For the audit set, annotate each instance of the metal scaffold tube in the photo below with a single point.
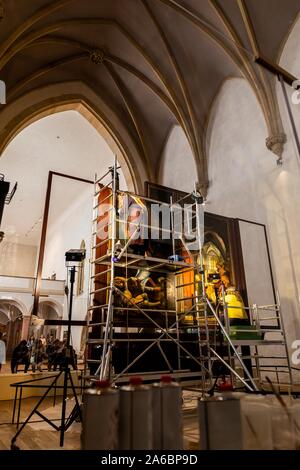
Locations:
(191, 323)
(109, 320)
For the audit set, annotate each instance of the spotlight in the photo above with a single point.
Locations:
(74, 257)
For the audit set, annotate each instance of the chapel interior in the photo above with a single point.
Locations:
(149, 224)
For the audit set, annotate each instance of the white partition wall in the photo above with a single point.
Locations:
(261, 291)
(257, 266)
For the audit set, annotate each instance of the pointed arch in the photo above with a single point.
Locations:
(78, 96)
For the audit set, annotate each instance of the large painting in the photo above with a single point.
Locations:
(222, 252)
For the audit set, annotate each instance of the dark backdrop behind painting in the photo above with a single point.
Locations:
(221, 238)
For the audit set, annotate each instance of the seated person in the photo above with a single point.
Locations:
(38, 355)
(60, 357)
(57, 356)
(20, 355)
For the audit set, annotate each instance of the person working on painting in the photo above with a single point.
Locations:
(236, 312)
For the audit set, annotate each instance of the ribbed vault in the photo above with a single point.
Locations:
(153, 63)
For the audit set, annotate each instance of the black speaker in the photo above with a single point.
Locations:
(4, 188)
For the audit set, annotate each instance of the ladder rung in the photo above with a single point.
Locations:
(269, 318)
(270, 357)
(101, 202)
(183, 270)
(275, 366)
(101, 243)
(94, 361)
(270, 330)
(102, 178)
(97, 218)
(99, 290)
(95, 307)
(185, 298)
(203, 342)
(96, 324)
(107, 224)
(102, 188)
(130, 340)
(101, 273)
(184, 285)
(101, 259)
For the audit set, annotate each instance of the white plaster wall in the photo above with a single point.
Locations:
(256, 265)
(177, 169)
(17, 259)
(69, 224)
(67, 143)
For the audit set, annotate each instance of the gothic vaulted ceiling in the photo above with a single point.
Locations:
(154, 63)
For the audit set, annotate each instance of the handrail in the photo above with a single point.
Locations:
(31, 384)
(31, 278)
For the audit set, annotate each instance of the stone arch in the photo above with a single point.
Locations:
(288, 58)
(52, 304)
(50, 310)
(76, 95)
(5, 303)
(294, 26)
(4, 317)
(12, 328)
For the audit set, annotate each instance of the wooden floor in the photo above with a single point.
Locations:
(42, 438)
(39, 436)
(6, 367)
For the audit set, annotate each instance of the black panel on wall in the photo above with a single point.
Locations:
(4, 188)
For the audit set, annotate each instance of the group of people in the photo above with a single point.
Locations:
(37, 352)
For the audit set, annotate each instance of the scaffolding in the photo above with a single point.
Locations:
(184, 332)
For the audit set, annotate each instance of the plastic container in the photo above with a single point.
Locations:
(220, 423)
(135, 418)
(283, 428)
(167, 415)
(257, 423)
(100, 417)
(295, 410)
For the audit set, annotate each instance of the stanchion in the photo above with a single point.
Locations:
(72, 257)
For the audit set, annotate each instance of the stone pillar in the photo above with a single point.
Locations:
(25, 327)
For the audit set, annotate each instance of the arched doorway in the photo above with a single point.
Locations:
(66, 140)
(56, 99)
(50, 310)
(11, 323)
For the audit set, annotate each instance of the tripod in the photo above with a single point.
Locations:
(65, 372)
